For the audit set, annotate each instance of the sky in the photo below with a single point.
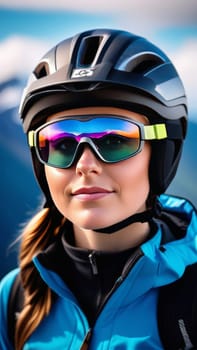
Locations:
(30, 28)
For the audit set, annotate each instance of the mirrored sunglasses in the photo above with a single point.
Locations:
(112, 138)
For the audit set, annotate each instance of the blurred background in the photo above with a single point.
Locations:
(27, 30)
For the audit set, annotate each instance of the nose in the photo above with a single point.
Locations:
(88, 163)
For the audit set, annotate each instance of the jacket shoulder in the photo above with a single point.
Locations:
(5, 289)
(176, 204)
(6, 284)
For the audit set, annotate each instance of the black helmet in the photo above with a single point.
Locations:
(111, 68)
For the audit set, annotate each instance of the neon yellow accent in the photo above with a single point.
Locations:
(155, 132)
(31, 138)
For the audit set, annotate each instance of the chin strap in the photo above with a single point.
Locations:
(145, 216)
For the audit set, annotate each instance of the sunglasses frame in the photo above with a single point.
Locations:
(147, 133)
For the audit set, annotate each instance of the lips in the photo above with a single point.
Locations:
(90, 193)
(89, 190)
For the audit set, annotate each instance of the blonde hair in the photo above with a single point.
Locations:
(39, 233)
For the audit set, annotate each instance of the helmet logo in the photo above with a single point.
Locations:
(81, 73)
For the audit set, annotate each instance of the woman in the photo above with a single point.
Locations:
(105, 114)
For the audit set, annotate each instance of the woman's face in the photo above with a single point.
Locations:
(93, 194)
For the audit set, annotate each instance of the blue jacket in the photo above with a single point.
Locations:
(128, 320)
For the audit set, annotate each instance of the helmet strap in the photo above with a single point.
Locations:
(145, 216)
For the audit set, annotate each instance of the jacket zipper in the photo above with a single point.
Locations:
(86, 340)
(93, 263)
(130, 264)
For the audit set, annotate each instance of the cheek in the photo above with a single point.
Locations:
(57, 180)
(136, 177)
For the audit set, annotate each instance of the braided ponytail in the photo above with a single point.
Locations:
(38, 234)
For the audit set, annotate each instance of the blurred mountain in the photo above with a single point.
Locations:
(20, 194)
(19, 191)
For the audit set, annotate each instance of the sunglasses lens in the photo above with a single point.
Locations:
(113, 139)
(56, 148)
(114, 148)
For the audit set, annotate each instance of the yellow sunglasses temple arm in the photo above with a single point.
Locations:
(30, 138)
(155, 132)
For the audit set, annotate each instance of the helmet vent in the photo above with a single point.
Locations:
(141, 63)
(42, 70)
(88, 50)
(147, 65)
